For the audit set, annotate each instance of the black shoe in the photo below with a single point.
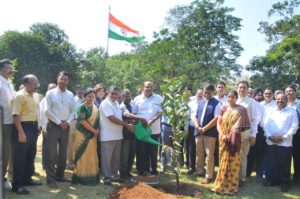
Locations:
(269, 184)
(130, 175)
(33, 183)
(190, 171)
(20, 191)
(155, 173)
(118, 180)
(107, 183)
(63, 180)
(285, 188)
(142, 173)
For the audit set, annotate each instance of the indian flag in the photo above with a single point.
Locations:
(120, 31)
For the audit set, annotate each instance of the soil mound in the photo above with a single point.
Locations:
(140, 191)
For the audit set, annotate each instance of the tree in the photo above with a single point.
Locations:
(62, 54)
(206, 32)
(43, 51)
(281, 64)
(198, 44)
(28, 50)
(175, 108)
(93, 68)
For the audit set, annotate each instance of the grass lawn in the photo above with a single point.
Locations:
(251, 190)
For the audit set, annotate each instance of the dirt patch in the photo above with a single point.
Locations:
(186, 189)
(140, 191)
(145, 179)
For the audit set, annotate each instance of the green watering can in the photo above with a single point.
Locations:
(144, 134)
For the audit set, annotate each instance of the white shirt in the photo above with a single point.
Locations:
(266, 110)
(216, 112)
(147, 108)
(7, 92)
(60, 106)
(108, 129)
(253, 113)
(42, 117)
(294, 105)
(78, 101)
(282, 122)
(193, 104)
(223, 100)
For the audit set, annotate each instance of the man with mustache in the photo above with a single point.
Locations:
(7, 92)
(279, 129)
(294, 103)
(24, 107)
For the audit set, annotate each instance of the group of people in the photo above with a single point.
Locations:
(240, 131)
(243, 132)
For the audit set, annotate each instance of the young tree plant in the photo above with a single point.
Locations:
(175, 108)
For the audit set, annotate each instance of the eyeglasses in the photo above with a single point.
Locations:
(114, 93)
(268, 93)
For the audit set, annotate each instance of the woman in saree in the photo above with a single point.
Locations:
(86, 170)
(232, 121)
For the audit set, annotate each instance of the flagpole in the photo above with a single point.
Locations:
(107, 31)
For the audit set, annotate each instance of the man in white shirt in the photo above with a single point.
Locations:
(279, 128)
(111, 134)
(294, 103)
(190, 140)
(249, 136)
(269, 103)
(206, 133)
(223, 99)
(60, 111)
(7, 92)
(43, 120)
(221, 91)
(79, 99)
(148, 106)
(256, 155)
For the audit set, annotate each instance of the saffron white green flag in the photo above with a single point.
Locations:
(120, 31)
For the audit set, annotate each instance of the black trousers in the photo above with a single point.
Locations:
(24, 154)
(190, 145)
(99, 152)
(146, 155)
(296, 156)
(278, 164)
(255, 158)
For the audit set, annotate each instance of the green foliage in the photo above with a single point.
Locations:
(197, 44)
(175, 108)
(43, 51)
(281, 64)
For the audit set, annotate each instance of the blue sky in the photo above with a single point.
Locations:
(86, 21)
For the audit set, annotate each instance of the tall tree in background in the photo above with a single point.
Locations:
(205, 30)
(281, 64)
(43, 51)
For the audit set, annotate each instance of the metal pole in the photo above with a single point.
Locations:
(107, 31)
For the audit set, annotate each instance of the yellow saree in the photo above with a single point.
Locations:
(86, 170)
(234, 121)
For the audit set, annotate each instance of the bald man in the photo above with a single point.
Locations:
(148, 106)
(24, 107)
